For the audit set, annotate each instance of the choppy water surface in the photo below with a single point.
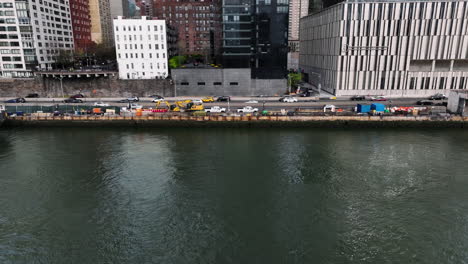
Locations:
(233, 196)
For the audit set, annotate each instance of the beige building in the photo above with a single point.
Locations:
(391, 48)
(101, 22)
(297, 10)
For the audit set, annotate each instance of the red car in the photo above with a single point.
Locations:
(77, 96)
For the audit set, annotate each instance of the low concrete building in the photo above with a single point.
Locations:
(458, 102)
(216, 81)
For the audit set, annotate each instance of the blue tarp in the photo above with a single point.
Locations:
(378, 107)
(361, 108)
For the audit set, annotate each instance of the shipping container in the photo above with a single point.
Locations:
(378, 107)
(362, 108)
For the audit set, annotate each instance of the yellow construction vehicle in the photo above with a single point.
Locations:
(165, 106)
(188, 105)
(208, 99)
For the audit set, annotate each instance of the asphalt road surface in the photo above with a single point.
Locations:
(267, 102)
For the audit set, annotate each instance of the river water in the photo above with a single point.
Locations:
(233, 196)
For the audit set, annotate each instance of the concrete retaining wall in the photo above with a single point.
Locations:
(241, 121)
(91, 87)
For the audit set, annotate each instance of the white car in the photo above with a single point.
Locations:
(135, 106)
(133, 99)
(247, 109)
(252, 102)
(289, 100)
(101, 104)
(155, 100)
(379, 98)
(197, 101)
(216, 109)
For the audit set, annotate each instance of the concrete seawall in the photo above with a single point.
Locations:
(239, 121)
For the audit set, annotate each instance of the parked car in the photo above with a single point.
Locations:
(379, 98)
(216, 109)
(252, 102)
(101, 104)
(304, 94)
(197, 101)
(438, 96)
(16, 100)
(441, 104)
(32, 95)
(133, 99)
(424, 102)
(358, 98)
(123, 101)
(135, 106)
(247, 109)
(288, 99)
(156, 96)
(77, 96)
(73, 101)
(223, 99)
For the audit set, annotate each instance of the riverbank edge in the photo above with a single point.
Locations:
(244, 121)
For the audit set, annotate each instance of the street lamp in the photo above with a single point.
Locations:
(61, 83)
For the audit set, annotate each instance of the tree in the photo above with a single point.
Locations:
(64, 59)
(177, 61)
(294, 79)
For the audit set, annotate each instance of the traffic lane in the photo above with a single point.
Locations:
(279, 105)
(234, 100)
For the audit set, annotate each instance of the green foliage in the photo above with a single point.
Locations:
(294, 79)
(177, 61)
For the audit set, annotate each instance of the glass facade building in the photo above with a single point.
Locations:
(255, 35)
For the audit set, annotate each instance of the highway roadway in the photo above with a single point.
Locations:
(271, 103)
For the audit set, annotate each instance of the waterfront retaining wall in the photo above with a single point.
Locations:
(240, 121)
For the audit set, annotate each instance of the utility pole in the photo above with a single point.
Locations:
(175, 86)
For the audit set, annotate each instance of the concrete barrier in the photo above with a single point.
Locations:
(218, 120)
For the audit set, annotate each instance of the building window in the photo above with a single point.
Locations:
(412, 83)
(233, 83)
(184, 83)
(201, 83)
(462, 83)
(217, 83)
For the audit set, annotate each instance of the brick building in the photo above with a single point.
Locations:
(81, 24)
(145, 7)
(198, 24)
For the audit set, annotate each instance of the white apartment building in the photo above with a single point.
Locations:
(393, 48)
(141, 48)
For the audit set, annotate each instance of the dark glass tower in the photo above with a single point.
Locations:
(255, 35)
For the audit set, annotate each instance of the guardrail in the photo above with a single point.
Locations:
(215, 118)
